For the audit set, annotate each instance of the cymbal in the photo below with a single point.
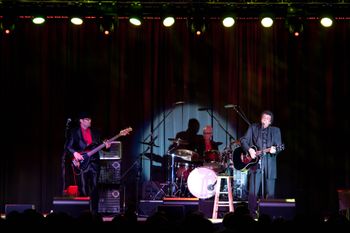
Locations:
(186, 154)
(218, 143)
(178, 141)
(154, 157)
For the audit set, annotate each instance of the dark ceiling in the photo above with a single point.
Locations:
(177, 7)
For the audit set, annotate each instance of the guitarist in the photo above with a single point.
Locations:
(259, 137)
(82, 139)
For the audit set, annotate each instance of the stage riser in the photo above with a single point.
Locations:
(20, 208)
(278, 209)
(179, 208)
(70, 206)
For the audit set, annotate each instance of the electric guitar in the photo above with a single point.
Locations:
(81, 165)
(242, 160)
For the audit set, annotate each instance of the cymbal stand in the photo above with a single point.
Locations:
(151, 143)
(222, 127)
(173, 188)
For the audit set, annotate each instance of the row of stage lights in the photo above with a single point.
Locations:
(197, 25)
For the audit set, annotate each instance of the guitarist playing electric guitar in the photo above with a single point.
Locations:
(83, 144)
(262, 175)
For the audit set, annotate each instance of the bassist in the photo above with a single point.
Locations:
(259, 137)
(82, 139)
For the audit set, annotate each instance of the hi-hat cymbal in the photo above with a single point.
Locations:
(178, 141)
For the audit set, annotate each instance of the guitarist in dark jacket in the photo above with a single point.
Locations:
(261, 142)
(83, 139)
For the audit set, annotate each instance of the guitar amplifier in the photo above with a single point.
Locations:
(110, 171)
(114, 152)
(109, 199)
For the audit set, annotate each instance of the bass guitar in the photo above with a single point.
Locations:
(242, 160)
(81, 165)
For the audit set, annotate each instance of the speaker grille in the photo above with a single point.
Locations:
(110, 171)
(109, 200)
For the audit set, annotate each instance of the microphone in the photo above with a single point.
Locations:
(231, 106)
(68, 121)
(178, 103)
(211, 186)
(203, 109)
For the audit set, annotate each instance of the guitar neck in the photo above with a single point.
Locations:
(100, 147)
(263, 151)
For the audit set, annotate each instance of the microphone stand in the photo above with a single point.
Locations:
(241, 114)
(137, 163)
(152, 139)
(222, 127)
(64, 154)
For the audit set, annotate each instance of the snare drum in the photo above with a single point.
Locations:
(201, 182)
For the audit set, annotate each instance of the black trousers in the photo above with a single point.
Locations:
(255, 189)
(88, 184)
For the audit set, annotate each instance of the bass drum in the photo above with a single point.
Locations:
(201, 182)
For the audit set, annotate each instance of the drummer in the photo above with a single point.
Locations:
(211, 152)
(193, 140)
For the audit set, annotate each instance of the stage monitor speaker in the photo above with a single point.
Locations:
(109, 199)
(110, 171)
(147, 208)
(74, 206)
(278, 208)
(18, 207)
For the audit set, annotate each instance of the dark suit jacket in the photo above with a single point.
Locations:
(76, 142)
(253, 138)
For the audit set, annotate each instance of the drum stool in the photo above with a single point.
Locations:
(218, 192)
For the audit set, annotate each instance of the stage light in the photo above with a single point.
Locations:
(326, 22)
(295, 25)
(135, 14)
(38, 20)
(168, 21)
(267, 22)
(294, 20)
(107, 24)
(76, 20)
(7, 25)
(197, 25)
(228, 21)
(135, 20)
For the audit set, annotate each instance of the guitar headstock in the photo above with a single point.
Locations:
(125, 131)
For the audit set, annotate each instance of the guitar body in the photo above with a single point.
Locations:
(242, 160)
(82, 165)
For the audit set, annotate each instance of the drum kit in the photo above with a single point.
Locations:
(192, 174)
